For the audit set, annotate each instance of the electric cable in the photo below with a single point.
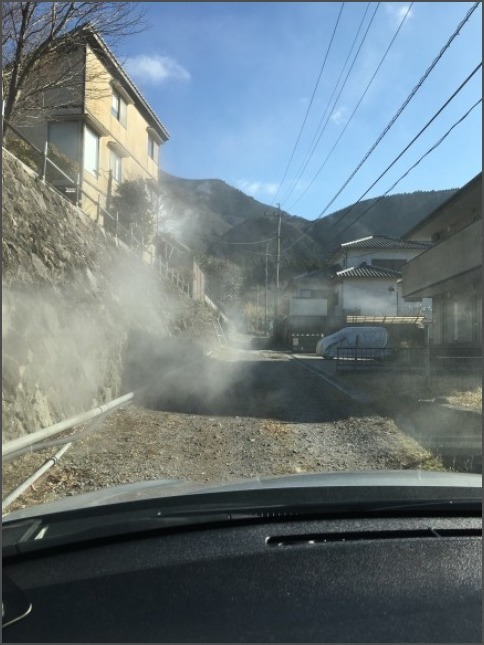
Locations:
(439, 111)
(431, 149)
(395, 117)
(310, 102)
(356, 108)
(314, 143)
(405, 103)
(244, 243)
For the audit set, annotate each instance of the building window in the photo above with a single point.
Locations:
(116, 166)
(153, 149)
(394, 264)
(119, 108)
(65, 137)
(91, 151)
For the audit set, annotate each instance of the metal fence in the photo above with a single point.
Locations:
(426, 359)
(39, 161)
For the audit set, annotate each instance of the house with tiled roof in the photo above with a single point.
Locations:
(361, 284)
(367, 277)
(381, 250)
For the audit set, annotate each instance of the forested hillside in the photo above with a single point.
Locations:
(225, 227)
(390, 215)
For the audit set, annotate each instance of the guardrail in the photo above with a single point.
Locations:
(45, 162)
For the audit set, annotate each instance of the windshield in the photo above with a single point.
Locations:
(196, 195)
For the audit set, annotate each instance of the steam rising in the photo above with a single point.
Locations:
(64, 345)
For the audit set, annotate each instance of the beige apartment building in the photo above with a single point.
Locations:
(450, 271)
(100, 123)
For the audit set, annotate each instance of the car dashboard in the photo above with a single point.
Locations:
(273, 578)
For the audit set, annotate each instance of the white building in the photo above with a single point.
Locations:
(368, 280)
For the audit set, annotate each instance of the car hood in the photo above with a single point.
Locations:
(171, 487)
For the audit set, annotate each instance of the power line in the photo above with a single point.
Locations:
(431, 149)
(314, 143)
(439, 111)
(405, 103)
(310, 102)
(357, 106)
(395, 117)
(245, 243)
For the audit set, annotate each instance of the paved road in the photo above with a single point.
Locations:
(232, 415)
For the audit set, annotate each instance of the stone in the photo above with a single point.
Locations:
(79, 303)
(39, 266)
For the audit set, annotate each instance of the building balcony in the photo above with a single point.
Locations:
(427, 274)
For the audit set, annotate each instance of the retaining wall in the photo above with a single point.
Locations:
(70, 297)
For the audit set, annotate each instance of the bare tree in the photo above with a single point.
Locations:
(35, 36)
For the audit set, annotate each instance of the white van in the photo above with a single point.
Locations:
(355, 342)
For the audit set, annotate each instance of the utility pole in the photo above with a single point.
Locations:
(265, 293)
(278, 259)
(278, 264)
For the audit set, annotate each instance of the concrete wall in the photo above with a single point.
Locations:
(463, 208)
(457, 255)
(457, 316)
(369, 296)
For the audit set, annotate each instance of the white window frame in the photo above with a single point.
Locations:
(116, 166)
(119, 108)
(90, 155)
(153, 148)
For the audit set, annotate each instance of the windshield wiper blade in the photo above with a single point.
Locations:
(54, 532)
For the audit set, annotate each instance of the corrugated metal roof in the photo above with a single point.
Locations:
(384, 242)
(368, 271)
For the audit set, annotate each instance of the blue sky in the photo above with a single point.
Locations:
(232, 82)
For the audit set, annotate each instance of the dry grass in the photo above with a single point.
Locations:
(456, 389)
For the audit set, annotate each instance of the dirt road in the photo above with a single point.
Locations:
(236, 414)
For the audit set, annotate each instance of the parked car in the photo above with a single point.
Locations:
(355, 342)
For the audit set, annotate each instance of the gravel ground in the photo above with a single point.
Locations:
(247, 413)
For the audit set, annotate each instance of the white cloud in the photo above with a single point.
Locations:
(254, 188)
(398, 12)
(339, 115)
(155, 69)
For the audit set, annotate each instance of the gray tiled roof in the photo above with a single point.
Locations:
(368, 271)
(384, 242)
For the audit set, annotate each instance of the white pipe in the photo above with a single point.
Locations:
(38, 473)
(35, 437)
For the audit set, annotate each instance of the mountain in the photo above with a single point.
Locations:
(218, 221)
(391, 215)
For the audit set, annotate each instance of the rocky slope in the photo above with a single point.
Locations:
(70, 298)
